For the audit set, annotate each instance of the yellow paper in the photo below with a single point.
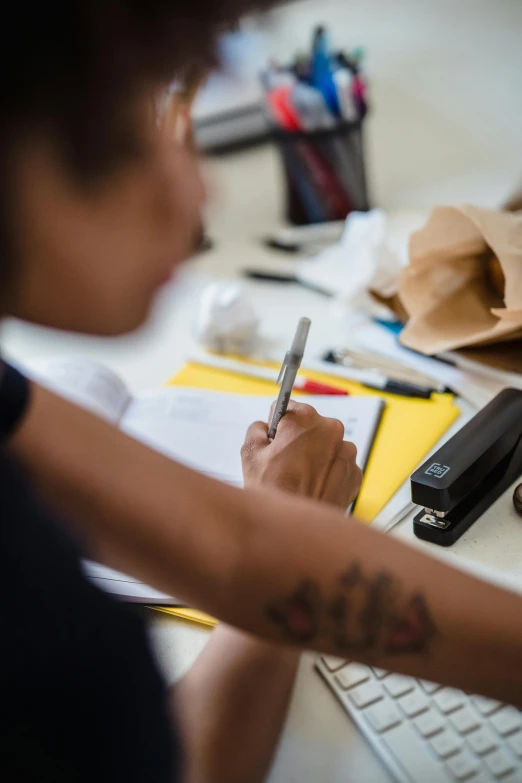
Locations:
(408, 430)
(190, 615)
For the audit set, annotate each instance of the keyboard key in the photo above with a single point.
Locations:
(465, 720)
(499, 763)
(449, 699)
(486, 706)
(397, 685)
(484, 777)
(506, 721)
(383, 716)
(482, 741)
(516, 743)
(351, 675)
(366, 694)
(513, 778)
(446, 744)
(463, 765)
(429, 723)
(414, 703)
(437, 734)
(414, 755)
(333, 663)
(430, 687)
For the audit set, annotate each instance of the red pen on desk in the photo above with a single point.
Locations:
(305, 385)
(316, 387)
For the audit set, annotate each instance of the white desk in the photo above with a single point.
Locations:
(319, 742)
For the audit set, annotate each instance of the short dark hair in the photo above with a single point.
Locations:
(76, 63)
(73, 68)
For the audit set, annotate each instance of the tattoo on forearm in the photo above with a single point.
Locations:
(299, 615)
(365, 614)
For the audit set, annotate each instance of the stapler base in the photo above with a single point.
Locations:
(444, 531)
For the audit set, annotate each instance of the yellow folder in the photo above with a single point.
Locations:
(409, 427)
(190, 615)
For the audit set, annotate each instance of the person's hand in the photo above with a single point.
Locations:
(307, 457)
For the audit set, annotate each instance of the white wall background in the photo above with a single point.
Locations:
(446, 84)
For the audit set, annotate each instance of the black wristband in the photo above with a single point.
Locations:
(14, 398)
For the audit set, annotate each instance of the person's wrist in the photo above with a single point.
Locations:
(283, 483)
(261, 652)
(276, 654)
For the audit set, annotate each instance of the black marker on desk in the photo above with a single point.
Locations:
(275, 277)
(269, 277)
(378, 382)
(288, 372)
(399, 387)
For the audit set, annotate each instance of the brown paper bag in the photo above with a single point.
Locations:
(446, 290)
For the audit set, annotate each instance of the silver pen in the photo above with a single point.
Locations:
(288, 372)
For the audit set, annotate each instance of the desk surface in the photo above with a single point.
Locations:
(319, 742)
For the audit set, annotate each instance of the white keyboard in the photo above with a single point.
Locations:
(426, 733)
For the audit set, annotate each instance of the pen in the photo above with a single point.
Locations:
(289, 368)
(322, 77)
(272, 277)
(305, 385)
(374, 381)
(343, 84)
(269, 277)
(382, 365)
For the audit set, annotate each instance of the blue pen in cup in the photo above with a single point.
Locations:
(321, 76)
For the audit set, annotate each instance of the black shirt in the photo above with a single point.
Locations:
(80, 696)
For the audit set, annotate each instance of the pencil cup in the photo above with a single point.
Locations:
(324, 173)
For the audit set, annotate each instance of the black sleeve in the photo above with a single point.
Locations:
(15, 392)
(81, 698)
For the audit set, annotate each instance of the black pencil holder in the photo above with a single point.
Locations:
(324, 172)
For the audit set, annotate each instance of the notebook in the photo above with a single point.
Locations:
(205, 429)
(200, 428)
(409, 428)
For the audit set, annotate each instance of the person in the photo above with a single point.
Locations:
(82, 699)
(98, 209)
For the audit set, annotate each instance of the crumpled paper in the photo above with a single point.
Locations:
(226, 321)
(369, 257)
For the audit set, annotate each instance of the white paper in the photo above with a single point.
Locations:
(225, 320)
(205, 430)
(370, 255)
(124, 586)
(85, 382)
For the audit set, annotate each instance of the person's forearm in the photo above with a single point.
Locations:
(284, 569)
(232, 705)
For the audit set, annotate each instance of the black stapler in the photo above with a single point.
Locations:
(469, 472)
